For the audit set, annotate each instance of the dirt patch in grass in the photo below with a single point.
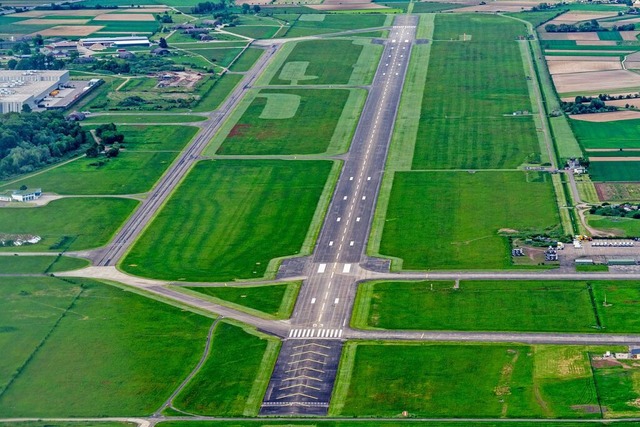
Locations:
(587, 409)
(238, 130)
(608, 117)
(604, 363)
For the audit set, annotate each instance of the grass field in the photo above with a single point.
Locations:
(81, 348)
(450, 220)
(296, 121)
(232, 380)
(228, 232)
(275, 300)
(378, 423)
(472, 89)
(623, 227)
(315, 62)
(247, 60)
(215, 94)
(617, 387)
(39, 264)
(507, 381)
(614, 171)
(68, 224)
(333, 24)
(543, 306)
(535, 18)
(618, 134)
(142, 118)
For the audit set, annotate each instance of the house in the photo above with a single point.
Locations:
(160, 51)
(26, 195)
(126, 55)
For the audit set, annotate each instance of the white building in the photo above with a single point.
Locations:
(18, 88)
(115, 41)
(21, 196)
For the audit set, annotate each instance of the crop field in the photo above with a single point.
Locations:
(275, 300)
(334, 23)
(315, 62)
(466, 119)
(544, 306)
(615, 171)
(465, 215)
(623, 227)
(618, 134)
(296, 121)
(230, 382)
(82, 348)
(69, 224)
(507, 381)
(39, 264)
(228, 213)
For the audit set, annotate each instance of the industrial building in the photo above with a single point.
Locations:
(115, 41)
(18, 88)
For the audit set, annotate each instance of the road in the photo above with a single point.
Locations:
(120, 244)
(305, 372)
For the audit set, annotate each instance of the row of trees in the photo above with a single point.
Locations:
(595, 105)
(624, 210)
(110, 141)
(31, 140)
(586, 27)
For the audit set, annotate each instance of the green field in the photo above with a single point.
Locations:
(162, 138)
(617, 387)
(256, 31)
(142, 118)
(81, 348)
(39, 264)
(618, 134)
(501, 380)
(528, 306)
(623, 227)
(295, 121)
(451, 220)
(615, 171)
(214, 94)
(275, 300)
(247, 60)
(232, 380)
(376, 423)
(472, 88)
(333, 24)
(227, 231)
(609, 35)
(221, 56)
(68, 224)
(315, 62)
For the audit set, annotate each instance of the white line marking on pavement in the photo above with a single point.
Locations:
(346, 268)
(313, 300)
(321, 268)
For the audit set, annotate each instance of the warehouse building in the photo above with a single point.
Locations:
(115, 41)
(18, 88)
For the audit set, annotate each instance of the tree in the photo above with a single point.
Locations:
(26, 108)
(38, 40)
(163, 43)
(245, 8)
(11, 64)
(23, 187)
(256, 8)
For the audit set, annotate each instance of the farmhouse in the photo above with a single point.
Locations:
(18, 88)
(115, 41)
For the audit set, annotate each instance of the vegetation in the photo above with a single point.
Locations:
(616, 134)
(621, 210)
(623, 227)
(29, 141)
(376, 423)
(39, 264)
(227, 232)
(111, 342)
(334, 23)
(230, 383)
(615, 171)
(470, 238)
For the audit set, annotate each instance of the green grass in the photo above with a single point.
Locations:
(255, 31)
(544, 306)
(615, 171)
(616, 134)
(81, 222)
(161, 138)
(591, 268)
(618, 388)
(142, 118)
(230, 382)
(623, 227)
(335, 23)
(275, 300)
(131, 27)
(228, 231)
(490, 381)
(380, 423)
(247, 60)
(535, 18)
(81, 348)
(319, 63)
(215, 93)
(450, 220)
(307, 129)
(609, 35)
(471, 90)
(39, 264)
(221, 56)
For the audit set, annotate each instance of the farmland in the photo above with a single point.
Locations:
(388, 378)
(469, 238)
(228, 234)
(334, 23)
(292, 121)
(94, 221)
(475, 128)
(615, 171)
(625, 227)
(549, 306)
(373, 423)
(617, 134)
(66, 333)
(230, 382)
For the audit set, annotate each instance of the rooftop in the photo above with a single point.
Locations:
(18, 86)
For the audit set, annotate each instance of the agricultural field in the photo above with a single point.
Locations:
(228, 233)
(543, 306)
(622, 227)
(68, 224)
(370, 423)
(466, 217)
(59, 334)
(616, 134)
(234, 377)
(39, 264)
(615, 170)
(274, 300)
(295, 121)
(309, 25)
(508, 381)
(475, 128)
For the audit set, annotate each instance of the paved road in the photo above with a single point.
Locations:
(307, 365)
(120, 244)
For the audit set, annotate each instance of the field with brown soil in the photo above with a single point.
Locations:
(624, 102)
(596, 81)
(569, 36)
(146, 10)
(45, 13)
(618, 191)
(567, 67)
(578, 58)
(70, 30)
(574, 17)
(607, 117)
(614, 159)
(344, 5)
(125, 17)
(630, 35)
(53, 22)
(596, 43)
(632, 65)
